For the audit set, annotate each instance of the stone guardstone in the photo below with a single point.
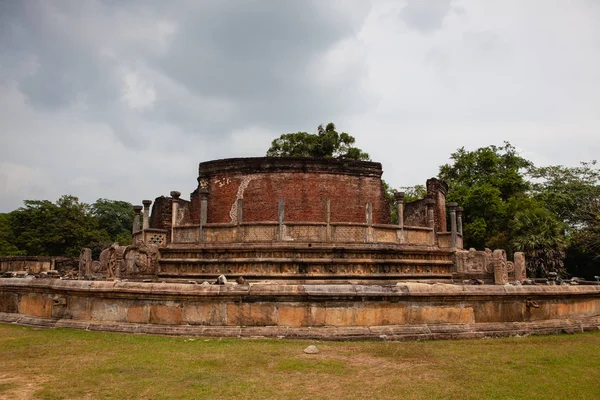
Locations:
(520, 269)
(312, 349)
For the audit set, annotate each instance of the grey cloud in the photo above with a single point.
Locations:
(238, 63)
(425, 16)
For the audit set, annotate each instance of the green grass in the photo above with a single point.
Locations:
(69, 364)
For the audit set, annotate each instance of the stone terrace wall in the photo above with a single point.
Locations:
(305, 184)
(31, 264)
(329, 311)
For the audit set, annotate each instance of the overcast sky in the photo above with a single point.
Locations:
(123, 99)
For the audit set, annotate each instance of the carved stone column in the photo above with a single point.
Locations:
(369, 235)
(136, 219)
(203, 193)
(400, 209)
(520, 267)
(452, 206)
(459, 220)
(146, 219)
(174, 212)
(430, 213)
(280, 217)
(328, 219)
(239, 217)
(500, 267)
(85, 262)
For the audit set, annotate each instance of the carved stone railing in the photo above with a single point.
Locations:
(445, 240)
(186, 234)
(316, 232)
(157, 237)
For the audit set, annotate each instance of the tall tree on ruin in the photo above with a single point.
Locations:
(326, 143)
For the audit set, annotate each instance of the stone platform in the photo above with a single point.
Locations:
(305, 263)
(401, 311)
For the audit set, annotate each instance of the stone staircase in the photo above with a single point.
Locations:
(373, 263)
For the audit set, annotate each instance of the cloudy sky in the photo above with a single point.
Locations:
(123, 99)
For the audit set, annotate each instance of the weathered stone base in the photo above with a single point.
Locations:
(391, 332)
(394, 312)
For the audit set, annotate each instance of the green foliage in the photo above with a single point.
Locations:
(389, 192)
(7, 248)
(326, 143)
(538, 233)
(484, 182)
(511, 204)
(569, 192)
(412, 193)
(43, 228)
(573, 195)
(116, 218)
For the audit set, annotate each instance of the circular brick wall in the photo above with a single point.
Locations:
(305, 184)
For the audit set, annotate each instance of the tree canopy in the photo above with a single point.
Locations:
(327, 143)
(44, 228)
(547, 212)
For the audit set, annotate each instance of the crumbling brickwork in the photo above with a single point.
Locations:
(415, 213)
(304, 184)
(162, 211)
(437, 190)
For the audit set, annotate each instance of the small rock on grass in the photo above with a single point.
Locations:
(312, 349)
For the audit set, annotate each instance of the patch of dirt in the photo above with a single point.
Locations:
(360, 359)
(23, 388)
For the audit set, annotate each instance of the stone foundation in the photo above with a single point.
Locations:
(402, 311)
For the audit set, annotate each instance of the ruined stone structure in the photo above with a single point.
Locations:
(289, 219)
(315, 254)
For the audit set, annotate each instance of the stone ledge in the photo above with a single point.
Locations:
(179, 290)
(253, 165)
(395, 332)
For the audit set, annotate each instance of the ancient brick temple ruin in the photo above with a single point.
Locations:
(300, 248)
(298, 220)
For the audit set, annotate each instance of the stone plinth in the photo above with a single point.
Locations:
(405, 310)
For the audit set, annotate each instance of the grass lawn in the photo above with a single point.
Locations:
(70, 364)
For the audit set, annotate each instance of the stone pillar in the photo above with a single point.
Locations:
(136, 219)
(430, 213)
(400, 208)
(146, 218)
(520, 267)
(369, 235)
(85, 262)
(280, 217)
(452, 206)
(239, 215)
(203, 193)
(174, 213)
(328, 220)
(459, 216)
(500, 267)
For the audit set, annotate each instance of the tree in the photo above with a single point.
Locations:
(115, 217)
(550, 213)
(412, 193)
(483, 182)
(7, 247)
(326, 143)
(43, 228)
(538, 233)
(573, 195)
